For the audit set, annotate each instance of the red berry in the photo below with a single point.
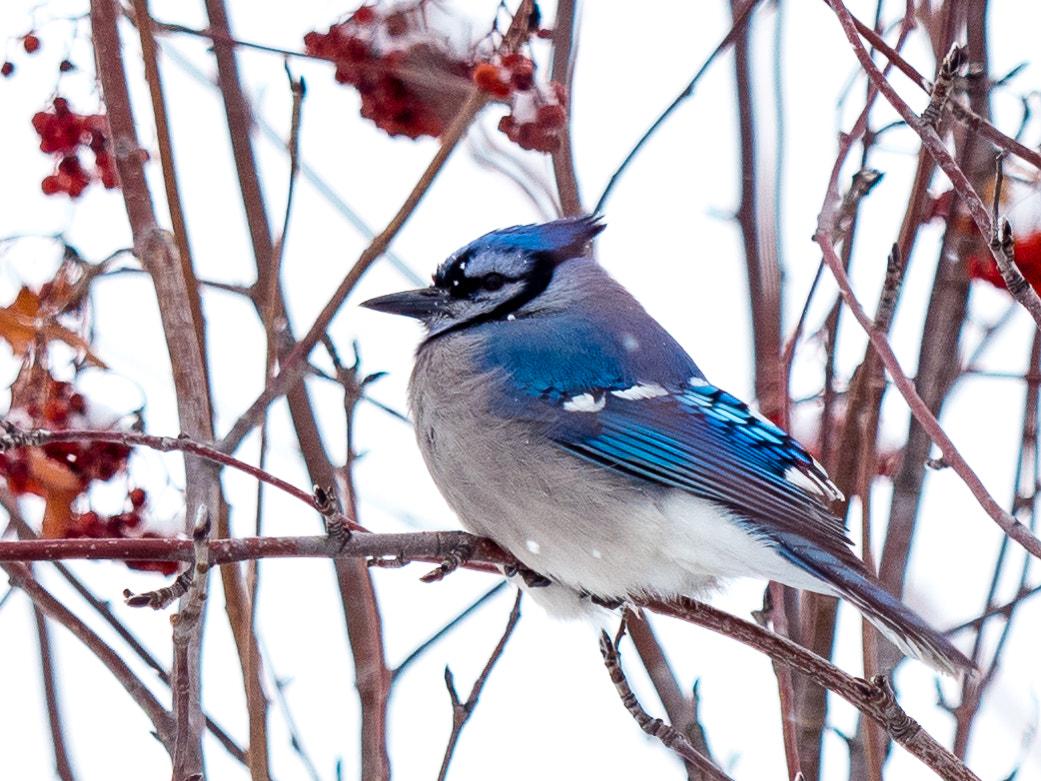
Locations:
(489, 78)
(313, 42)
(50, 185)
(523, 76)
(396, 24)
(16, 471)
(365, 15)
(124, 521)
(550, 116)
(31, 43)
(6, 69)
(56, 411)
(65, 66)
(138, 497)
(77, 403)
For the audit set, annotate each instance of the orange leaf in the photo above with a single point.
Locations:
(18, 321)
(22, 323)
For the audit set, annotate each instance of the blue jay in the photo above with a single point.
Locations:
(562, 421)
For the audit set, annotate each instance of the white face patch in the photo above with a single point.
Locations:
(585, 402)
(642, 390)
(532, 546)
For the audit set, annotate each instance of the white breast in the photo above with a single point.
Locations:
(579, 524)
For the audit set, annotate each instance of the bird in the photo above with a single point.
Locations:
(561, 420)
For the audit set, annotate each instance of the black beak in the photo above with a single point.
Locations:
(421, 304)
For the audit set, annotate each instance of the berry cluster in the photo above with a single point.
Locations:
(536, 116)
(57, 406)
(125, 524)
(31, 44)
(403, 69)
(412, 82)
(514, 73)
(62, 132)
(536, 119)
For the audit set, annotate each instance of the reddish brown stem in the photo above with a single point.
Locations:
(162, 444)
(294, 363)
(874, 699)
(936, 148)
(159, 256)
(563, 159)
(22, 578)
(920, 410)
(50, 688)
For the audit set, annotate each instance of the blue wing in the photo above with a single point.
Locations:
(587, 380)
(704, 440)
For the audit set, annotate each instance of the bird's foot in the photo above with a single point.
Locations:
(453, 560)
(337, 529)
(531, 578)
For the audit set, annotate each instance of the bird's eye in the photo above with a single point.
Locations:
(493, 281)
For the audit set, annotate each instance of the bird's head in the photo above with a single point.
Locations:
(493, 277)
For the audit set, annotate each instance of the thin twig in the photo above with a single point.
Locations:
(936, 148)
(294, 363)
(1004, 250)
(1025, 503)
(50, 688)
(295, 738)
(159, 256)
(670, 737)
(186, 667)
(561, 72)
(759, 241)
(461, 711)
(1024, 593)
(774, 614)
(153, 75)
(740, 20)
(963, 114)
(874, 699)
(681, 710)
(443, 631)
(9, 504)
(919, 409)
(372, 676)
(23, 579)
(11, 438)
(1016, 530)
